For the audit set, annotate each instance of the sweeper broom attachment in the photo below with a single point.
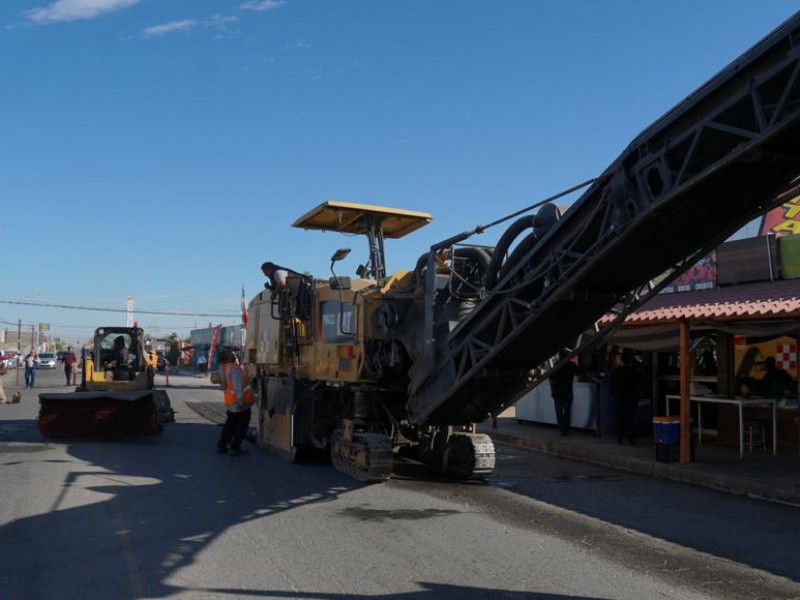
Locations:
(115, 399)
(98, 414)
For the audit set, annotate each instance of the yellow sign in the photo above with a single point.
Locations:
(750, 357)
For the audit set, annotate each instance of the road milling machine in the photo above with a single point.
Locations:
(366, 366)
(116, 398)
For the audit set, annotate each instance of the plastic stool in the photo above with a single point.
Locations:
(755, 435)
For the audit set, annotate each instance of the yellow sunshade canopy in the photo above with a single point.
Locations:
(348, 217)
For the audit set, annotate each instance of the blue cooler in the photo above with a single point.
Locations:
(666, 430)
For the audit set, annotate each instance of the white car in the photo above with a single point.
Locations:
(46, 360)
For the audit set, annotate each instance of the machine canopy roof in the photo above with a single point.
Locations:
(348, 217)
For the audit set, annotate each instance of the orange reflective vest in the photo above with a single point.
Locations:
(230, 392)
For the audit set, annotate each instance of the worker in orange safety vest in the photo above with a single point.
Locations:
(238, 400)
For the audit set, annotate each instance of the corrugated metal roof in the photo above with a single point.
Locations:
(777, 299)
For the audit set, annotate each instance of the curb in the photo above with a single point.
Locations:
(673, 472)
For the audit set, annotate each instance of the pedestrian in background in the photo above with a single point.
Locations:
(561, 390)
(69, 361)
(238, 400)
(2, 391)
(30, 366)
(626, 387)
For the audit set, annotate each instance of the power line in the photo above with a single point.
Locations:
(119, 310)
(83, 328)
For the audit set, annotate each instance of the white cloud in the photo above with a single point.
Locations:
(76, 10)
(224, 25)
(172, 26)
(262, 5)
(220, 20)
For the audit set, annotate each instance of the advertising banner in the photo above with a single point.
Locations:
(750, 360)
(782, 220)
(701, 276)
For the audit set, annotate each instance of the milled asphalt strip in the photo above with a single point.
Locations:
(215, 412)
(683, 567)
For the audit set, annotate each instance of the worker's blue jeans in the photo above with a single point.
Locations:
(30, 376)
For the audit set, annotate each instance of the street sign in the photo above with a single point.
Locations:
(44, 326)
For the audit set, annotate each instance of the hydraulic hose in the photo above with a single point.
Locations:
(501, 249)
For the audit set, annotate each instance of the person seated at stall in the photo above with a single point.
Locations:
(776, 381)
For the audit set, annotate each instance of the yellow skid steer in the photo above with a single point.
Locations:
(117, 395)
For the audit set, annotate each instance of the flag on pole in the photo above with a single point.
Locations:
(213, 349)
(244, 309)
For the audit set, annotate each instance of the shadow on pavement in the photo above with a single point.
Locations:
(429, 590)
(133, 513)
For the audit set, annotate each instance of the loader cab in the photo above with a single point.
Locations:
(108, 343)
(135, 372)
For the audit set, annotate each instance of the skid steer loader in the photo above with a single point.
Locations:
(116, 397)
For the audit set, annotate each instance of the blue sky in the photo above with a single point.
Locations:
(162, 149)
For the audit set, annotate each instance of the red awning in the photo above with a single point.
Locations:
(773, 300)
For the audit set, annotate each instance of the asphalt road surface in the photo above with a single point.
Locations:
(167, 517)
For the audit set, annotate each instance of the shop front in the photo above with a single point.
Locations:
(742, 361)
(734, 334)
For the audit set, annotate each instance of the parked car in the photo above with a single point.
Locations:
(46, 360)
(9, 359)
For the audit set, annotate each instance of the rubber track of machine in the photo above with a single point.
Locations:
(379, 456)
(469, 456)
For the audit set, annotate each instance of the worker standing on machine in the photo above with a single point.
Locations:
(278, 278)
(238, 400)
(283, 278)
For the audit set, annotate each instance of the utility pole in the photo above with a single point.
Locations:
(129, 311)
(19, 347)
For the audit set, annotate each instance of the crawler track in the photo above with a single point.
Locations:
(469, 456)
(367, 458)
